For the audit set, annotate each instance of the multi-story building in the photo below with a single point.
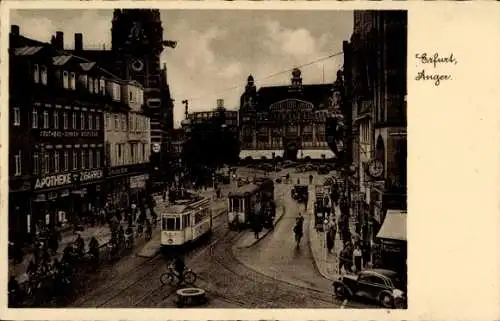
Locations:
(137, 43)
(127, 139)
(56, 134)
(379, 47)
(285, 121)
(219, 115)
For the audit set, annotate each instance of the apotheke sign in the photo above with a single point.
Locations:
(53, 181)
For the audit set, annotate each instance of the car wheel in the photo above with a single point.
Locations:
(340, 291)
(386, 301)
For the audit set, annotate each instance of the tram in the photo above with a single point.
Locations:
(186, 221)
(253, 201)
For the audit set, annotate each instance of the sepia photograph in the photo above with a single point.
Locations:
(229, 159)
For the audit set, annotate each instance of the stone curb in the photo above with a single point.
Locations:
(265, 234)
(315, 263)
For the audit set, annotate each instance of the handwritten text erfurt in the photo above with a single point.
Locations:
(434, 61)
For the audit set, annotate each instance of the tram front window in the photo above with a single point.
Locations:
(235, 203)
(171, 224)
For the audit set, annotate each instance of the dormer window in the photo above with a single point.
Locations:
(91, 84)
(43, 75)
(72, 81)
(130, 96)
(65, 80)
(96, 86)
(102, 87)
(36, 73)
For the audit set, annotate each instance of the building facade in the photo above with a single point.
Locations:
(219, 115)
(127, 141)
(137, 43)
(56, 135)
(379, 47)
(285, 121)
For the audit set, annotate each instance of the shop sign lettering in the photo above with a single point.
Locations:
(53, 181)
(59, 133)
(90, 175)
(118, 171)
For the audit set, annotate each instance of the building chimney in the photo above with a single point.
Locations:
(14, 30)
(78, 42)
(60, 40)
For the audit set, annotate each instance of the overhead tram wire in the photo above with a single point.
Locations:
(269, 76)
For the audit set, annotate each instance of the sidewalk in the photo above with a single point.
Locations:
(326, 263)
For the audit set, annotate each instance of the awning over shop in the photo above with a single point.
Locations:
(394, 226)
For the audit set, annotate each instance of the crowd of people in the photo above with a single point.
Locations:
(49, 275)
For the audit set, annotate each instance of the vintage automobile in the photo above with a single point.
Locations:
(384, 286)
(300, 193)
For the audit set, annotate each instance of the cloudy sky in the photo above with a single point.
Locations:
(216, 49)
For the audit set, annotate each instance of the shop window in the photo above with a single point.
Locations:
(34, 116)
(17, 163)
(36, 74)
(43, 75)
(36, 163)
(65, 120)
(17, 116)
(56, 119)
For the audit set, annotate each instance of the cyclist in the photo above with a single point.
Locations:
(178, 268)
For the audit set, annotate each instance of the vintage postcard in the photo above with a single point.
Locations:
(203, 156)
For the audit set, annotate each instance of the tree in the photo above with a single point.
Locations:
(208, 148)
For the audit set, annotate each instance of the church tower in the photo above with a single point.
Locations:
(137, 43)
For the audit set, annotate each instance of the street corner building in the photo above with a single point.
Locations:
(375, 80)
(75, 131)
(286, 122)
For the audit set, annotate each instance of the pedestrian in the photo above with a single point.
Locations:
(365, 249)
(54, 242)
(257, 228)
(357, 258)
(329, 240)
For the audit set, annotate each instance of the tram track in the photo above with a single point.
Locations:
(137, 291)
(223, 260)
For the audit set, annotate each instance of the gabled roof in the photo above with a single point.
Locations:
(86, 66)
(27, 50)
(104, 58)
(60, 60)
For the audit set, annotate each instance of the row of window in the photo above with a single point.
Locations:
(128, 153)
(135, 123)
(57, 161)
(94, 85)
(57, 119)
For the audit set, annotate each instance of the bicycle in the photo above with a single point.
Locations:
(169, 277)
